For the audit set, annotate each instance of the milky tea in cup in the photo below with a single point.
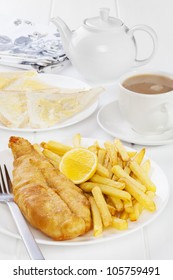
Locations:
(146, 101)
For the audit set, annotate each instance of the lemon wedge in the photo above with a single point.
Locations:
(78, 164)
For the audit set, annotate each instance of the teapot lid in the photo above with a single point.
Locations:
(104, 21)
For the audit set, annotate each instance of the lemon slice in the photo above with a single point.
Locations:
(78, 164)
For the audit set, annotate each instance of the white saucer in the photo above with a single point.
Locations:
(111, 120)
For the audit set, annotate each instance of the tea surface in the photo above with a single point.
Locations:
(149, 84)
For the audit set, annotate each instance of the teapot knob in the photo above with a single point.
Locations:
(104, 13)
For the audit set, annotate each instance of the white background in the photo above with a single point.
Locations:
(156, 13)
(158, 239)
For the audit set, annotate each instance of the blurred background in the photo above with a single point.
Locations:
(156, 13)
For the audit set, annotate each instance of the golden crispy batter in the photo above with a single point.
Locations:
(48, 200)
(76, 201)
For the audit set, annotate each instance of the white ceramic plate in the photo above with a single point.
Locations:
(111, 120)
(7, 225)
(65, 82)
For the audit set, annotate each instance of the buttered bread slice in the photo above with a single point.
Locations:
(8, 79)
(51, 107)
(13, 109)
(26, 101)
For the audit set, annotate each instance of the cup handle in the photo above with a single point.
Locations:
(152, 34)
(167, 108)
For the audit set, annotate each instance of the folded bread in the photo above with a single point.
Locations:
(8, 79)
(13, 103)
(27, 82)
(13, 109)
(53, 106)
(43, 108)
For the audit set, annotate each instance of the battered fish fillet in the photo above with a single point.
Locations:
(48, 200)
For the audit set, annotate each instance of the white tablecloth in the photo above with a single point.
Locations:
(154, 241)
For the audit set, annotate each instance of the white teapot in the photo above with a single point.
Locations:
(103, 48)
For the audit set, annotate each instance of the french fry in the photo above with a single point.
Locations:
(114, 177)
(139, 195)
(127, 170)
(52, 156)
(106, 160)
(77, 140)
(102, 206)
(108, 200)
(102, 171)
(121, 150)
(137, 209)
(142, 176)
(139, 156)
(88, 186)
(120, 173)
(93, 149)
(117, 202)
(151, 194)
(96, 143)
(119, 224)
(109, 168)
(120, 162)
(112, 209)
(124, 215)
(131, 154)
(112, 152)
(97, 222)
(128, 207)
(101, 156)
(56, 147)
(106, 181)
(146, 166)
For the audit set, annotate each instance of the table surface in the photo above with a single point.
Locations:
(154, 241)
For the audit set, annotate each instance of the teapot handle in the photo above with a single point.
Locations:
(151, 32)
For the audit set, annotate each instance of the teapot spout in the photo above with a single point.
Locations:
(64, 31)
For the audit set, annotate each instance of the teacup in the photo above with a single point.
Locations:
(146, 101)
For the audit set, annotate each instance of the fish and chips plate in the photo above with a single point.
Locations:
(117, 190)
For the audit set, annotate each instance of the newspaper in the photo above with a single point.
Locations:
(28, 45)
